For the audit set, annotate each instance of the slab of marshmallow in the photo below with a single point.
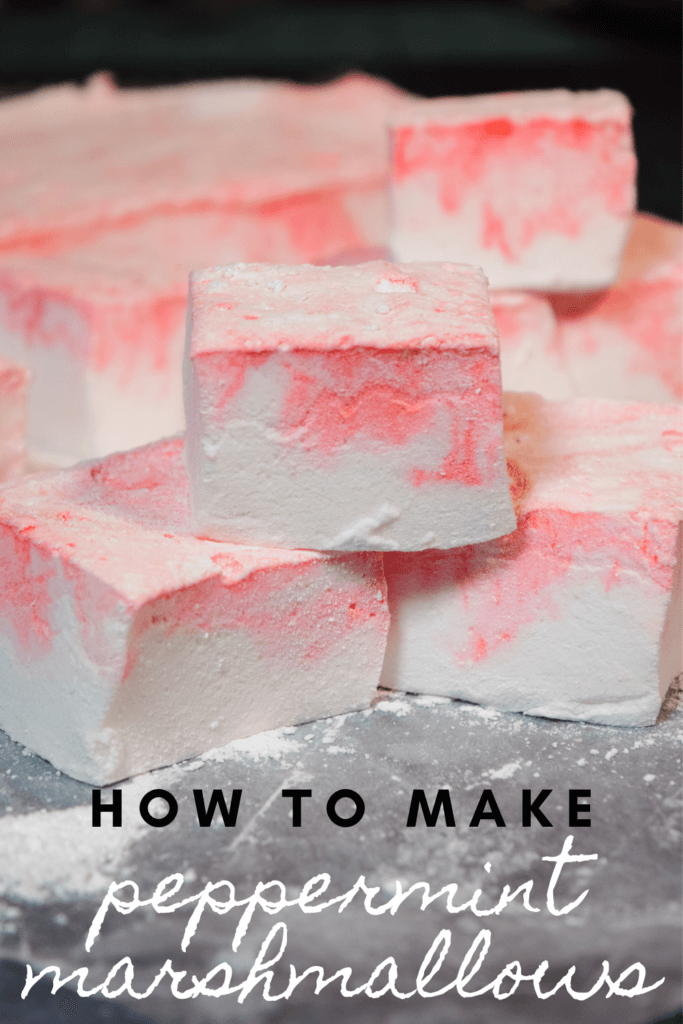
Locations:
(77, 160)
(345, 408)
(535, 187)
(126, 643)
(576, 615)
(13, 396)
(530, 355)
(625, 343)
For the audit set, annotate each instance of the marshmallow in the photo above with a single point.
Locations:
(13, 391)
(530, 354)
(126, 643)
(576, 615)
(312, 160)
(625, 343)
(535, 187)
(345, 408)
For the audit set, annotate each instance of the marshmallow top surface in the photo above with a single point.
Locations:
(126, 521)
(76, 156)
(264, 307)
(519, 107)
(592, 456)
(149, 257)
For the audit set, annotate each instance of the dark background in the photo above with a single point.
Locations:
(430, 47)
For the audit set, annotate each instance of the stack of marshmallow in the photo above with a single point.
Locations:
(356, 498)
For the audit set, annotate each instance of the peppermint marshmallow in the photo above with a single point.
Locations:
(126, 643)
(576, 615)
(345, 408)
(13, 388)
(535, 187)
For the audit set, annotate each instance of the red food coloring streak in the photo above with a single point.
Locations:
(500, 127)
(45, 317)
(573, 160)
(337, 398)
(493, 233)
(672, 439)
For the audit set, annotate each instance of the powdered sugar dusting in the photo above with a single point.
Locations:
(506, 772)
(274, 744)
(396, 707)
(58, 855)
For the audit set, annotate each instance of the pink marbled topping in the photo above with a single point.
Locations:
(377, 305)
(116, 533)
(76, 161)
(372, 397)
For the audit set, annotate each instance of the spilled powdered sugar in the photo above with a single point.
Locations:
(276, 744)
(58, 855)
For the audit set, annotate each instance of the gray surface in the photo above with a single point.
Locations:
(632, 912)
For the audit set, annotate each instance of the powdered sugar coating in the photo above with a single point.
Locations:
(376, 305)
(124, 637)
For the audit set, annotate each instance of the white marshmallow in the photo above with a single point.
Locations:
(353, 407)
(127, 644)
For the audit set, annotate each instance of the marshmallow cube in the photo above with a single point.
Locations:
(535, 187)
(126, 643)
(625, 343)
(345, 408)
(13, 397)
(530, 354)
(576, 615)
